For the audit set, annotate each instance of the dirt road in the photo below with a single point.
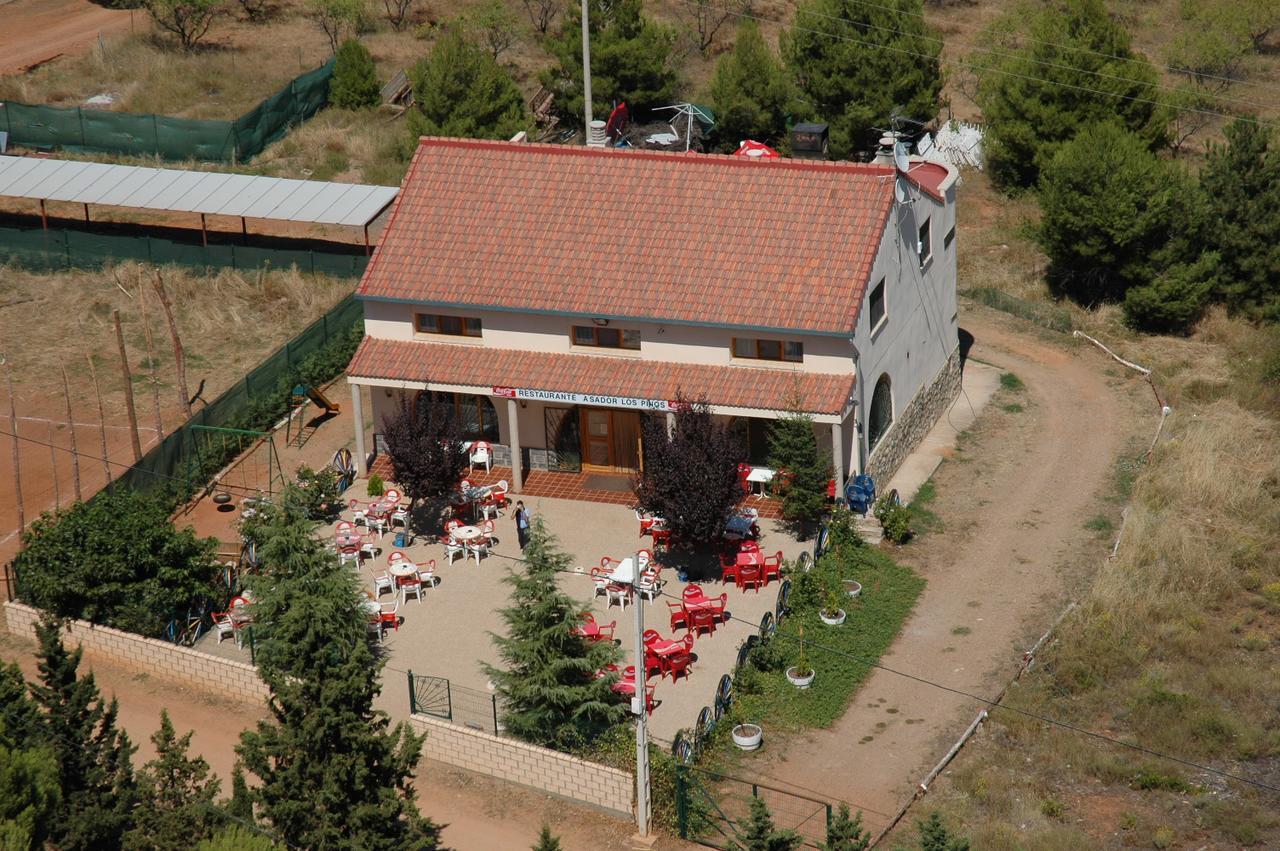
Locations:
(1013, 504)
(36, 31)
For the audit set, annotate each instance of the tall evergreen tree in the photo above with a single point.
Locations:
(1115, 215)
(845, 833)
(240, 805)
(802, 471)
(934, 836)
(751, 93)
(29, 793)
(1074, 68)
(858, 64)
(21, 719)
(355, 79)
(332, 771)
(632, 61)
(547, 841)
(176, 794)
(461, 90)
(1241, 181)
(761, 835)
(95, 773)
(550, 693)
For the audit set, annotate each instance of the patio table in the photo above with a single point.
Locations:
(467, 534)
(402, 569)
(371, 607)
(738, 526)
(624, 573)
(759, 478)
(697, 603)
(750, 558)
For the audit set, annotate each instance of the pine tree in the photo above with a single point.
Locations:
(549, 688)
(176, 796)
(240, 806)
(845, 833)
(547, 841)
(1241, 181)
(332, 771)
(632, 61)
(802, 471)
(1074, 69)
(21, 721)
(237, 838)
(935, 837)
(858, 64)
(1115, 215)
(29, 793)
(461, 90)
(751, 93)
(94, 769)
(761, 835)
(355, 79)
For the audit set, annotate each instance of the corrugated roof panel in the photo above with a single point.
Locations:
(216, 193)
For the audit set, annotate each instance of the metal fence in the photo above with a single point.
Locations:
(439, 698)
(714, 809)
(1053, 318)
(146, 134)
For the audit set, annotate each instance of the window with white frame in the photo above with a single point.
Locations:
(876, 306)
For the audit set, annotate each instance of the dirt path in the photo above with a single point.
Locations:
(481, 814)
(36, 31)
(1013, 518)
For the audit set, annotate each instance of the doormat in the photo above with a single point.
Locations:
(604, 482)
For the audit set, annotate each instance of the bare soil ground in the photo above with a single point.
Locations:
(481, 814)
(37, 31)
(1013, 502)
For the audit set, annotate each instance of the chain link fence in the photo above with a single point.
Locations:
(147, 134)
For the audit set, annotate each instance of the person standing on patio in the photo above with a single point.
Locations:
(522, 523)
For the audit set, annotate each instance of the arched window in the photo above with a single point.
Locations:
(881, 415)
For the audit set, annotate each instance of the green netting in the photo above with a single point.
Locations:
(56, 249)
(183, 463)
(137, 134)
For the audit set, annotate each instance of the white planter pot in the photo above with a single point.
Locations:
(800, 682)
(852, 587)
(747, 736)
(836, 621)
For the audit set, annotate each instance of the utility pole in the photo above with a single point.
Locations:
(639, 704)
(586, 71)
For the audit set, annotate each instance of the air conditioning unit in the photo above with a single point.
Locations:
(809, 141)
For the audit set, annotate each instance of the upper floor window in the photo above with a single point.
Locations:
(605, 338)
(925, 245)
(949, 238)
(454, 326)
(877, 306)
(768, 349)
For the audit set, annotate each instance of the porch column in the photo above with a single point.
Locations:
(671, 423)
(837, 456)
(513, 426)
(357, 413)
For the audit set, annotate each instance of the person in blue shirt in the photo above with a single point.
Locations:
(522, 523)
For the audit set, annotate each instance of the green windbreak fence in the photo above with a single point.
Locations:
(137, 134)
(57, 248)
(179, 465)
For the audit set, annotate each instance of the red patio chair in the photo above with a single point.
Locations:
(605, 631)
(650, 636)
(773, 567)
(744, 470)
(679, 619)
(750, 574)
(678, 665)
(728, 567)
(646, 522)
(692, 592)
(702, 620)
(661, 537)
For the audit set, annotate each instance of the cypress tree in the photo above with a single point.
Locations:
(21, 721)
(95, 773)
(803, 472)
(241, 804)
(29, 793)
(547, 841)
(333, 772)
(176, 795)
(549, 688)
(751, 93)
(355, 79)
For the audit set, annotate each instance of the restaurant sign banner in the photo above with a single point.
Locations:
(586, 399)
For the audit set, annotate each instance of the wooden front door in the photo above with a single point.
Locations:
(610, 440)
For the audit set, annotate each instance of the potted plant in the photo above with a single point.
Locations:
(831, 613)
(852, 587)
(747, 737)
(801, 674)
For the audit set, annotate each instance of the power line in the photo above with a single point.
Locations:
(796, 28)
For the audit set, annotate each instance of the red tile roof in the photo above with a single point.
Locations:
(767, 243)
(475, 366)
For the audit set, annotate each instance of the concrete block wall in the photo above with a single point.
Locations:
(180, 665)
(912, 424)
(528, 765)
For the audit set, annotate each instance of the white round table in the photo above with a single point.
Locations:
(466, 534)
(403, 568)
(372, 607)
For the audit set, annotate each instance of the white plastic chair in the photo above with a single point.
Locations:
(410, 586)
(346, 554)
(617, 594)
(357, 512)
(454, 548)
(226, 628)
(480, 454)
(478, 548)
(385, 582)
(427, 574)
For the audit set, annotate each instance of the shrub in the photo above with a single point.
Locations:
(117, 560)
(793, 448)
(460, 90)
(187, 20)
(895, 519)
(375, 486)
(1272, 592)
(318, 491)
(355, 80)
(1175, 301)
(751, 92)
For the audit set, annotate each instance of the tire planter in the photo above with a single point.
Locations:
(747, 736)
(851, 587)
(800, 682)
(836, 621)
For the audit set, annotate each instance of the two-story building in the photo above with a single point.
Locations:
(555, 295)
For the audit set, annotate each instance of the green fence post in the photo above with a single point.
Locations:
(755, 791)
(80, 117)
(494, 700)
(149, 258)
(828, 818)
(66, 246)
(413, 704)
(682, 803)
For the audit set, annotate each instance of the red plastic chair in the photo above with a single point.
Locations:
(650, 636)
(773, 567)
(728, 568)
(661, 537)
(679, 618)
(678, 666)
(750, 574)
(701, 620)
(744, 470)
(693, 592)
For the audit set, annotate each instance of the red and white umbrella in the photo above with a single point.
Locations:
(751, 148)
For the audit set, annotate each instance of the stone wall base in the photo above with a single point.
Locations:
(913, 423)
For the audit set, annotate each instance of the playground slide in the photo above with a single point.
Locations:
(322, 401)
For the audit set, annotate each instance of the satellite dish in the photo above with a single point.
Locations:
(900, 190)
(900, 157)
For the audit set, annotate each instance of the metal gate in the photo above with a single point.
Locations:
(713, 809)
(439, 698)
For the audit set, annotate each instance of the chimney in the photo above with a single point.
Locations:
(884, 153)
(809, 141)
